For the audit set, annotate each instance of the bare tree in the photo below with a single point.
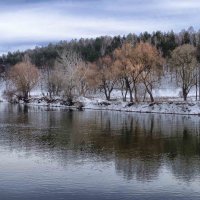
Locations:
(185, 63)
(106, 74)
(69, 63)
(82, 71)
(55, 81)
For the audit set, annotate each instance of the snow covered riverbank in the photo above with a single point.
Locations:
(170, 107)
(167, 103)
(184, 108)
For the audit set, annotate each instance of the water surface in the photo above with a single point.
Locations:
(97, 155)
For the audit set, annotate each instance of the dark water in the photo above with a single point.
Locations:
(97, 155)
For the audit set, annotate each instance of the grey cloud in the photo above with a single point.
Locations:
(25, 22)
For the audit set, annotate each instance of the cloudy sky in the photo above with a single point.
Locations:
(26, 23)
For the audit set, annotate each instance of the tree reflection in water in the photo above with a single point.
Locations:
(139, 144)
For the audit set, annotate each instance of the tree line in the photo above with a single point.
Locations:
(134, 64)
(92, 49)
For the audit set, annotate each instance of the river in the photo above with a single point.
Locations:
(61, 154)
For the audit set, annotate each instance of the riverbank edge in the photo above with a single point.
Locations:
(168, 107)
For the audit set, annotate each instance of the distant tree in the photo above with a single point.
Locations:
(132, 39)
(184, 62)
(145, 37)
(117, 42)
(186, 38)
(168, 44)
(44, 56)
(14, 58)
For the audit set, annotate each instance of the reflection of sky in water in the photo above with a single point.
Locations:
(97, 154)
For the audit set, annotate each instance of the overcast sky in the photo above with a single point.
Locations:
(26, 23)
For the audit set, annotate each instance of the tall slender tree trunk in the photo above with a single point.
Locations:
(107, 94)
(149, 91)
(131, 95)
(135, 93)
(184, 94)
(124, 94)
(196, 84)
(199, 82)
(130, 91)
(25, 96)
(151, 97)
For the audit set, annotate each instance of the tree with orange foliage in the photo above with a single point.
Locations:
(123, 65)
(103, 75)
(108, 75)
(149, 63)
(137, 65)
(22, 78)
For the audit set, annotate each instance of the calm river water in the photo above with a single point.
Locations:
(96, 155)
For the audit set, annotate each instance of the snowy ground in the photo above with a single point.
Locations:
(171, 107)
